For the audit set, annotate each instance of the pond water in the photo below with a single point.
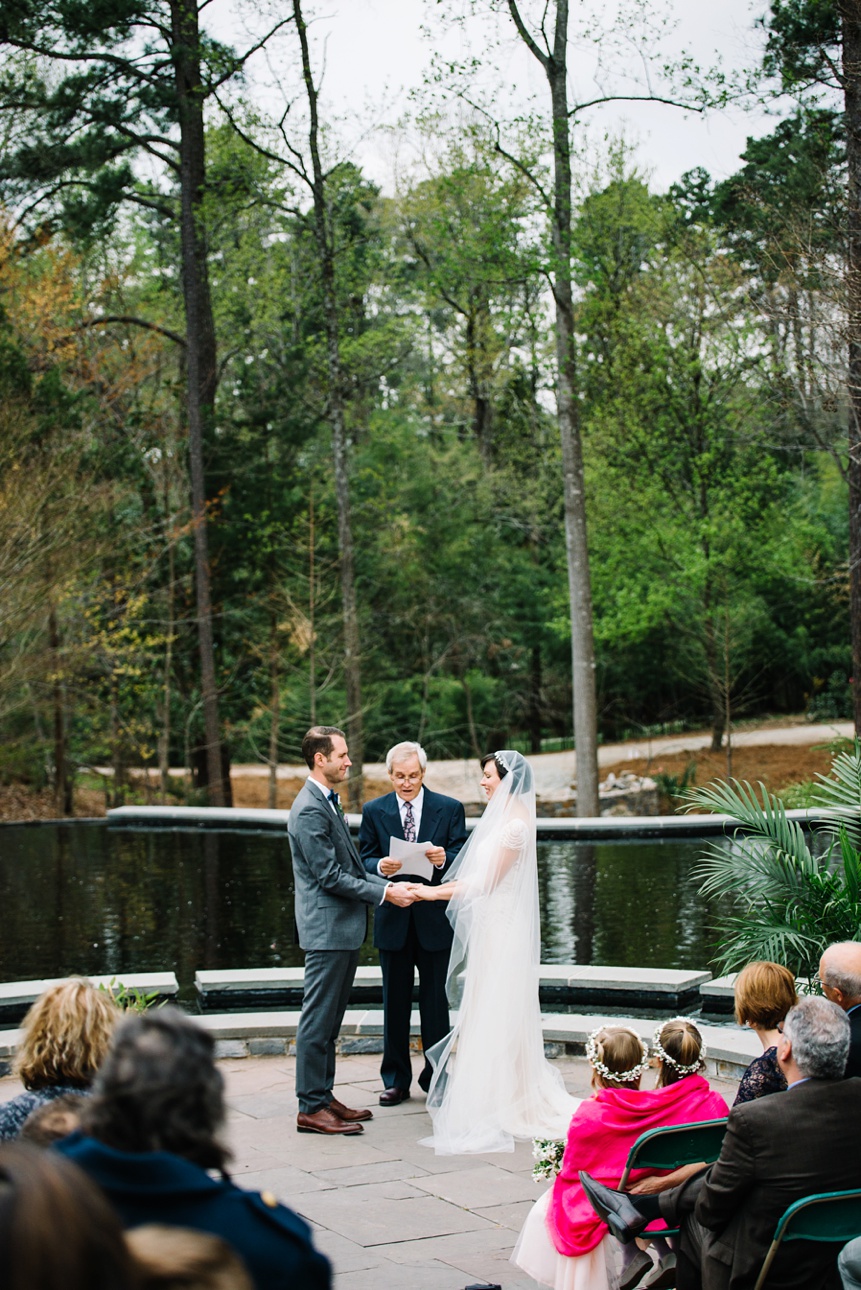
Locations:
(87, 898)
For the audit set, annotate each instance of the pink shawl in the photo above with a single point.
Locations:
(602, 1131)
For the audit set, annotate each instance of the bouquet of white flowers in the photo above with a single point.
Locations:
(547, 1154)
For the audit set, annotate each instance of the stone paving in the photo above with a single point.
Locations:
(387, 1211)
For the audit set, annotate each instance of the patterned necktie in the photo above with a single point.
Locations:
(409, 823)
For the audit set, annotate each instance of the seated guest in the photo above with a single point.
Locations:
(776, 1151)
(65, 1037)
(176, 1258)
(57, 1231)
(840, 974)
(764, 994)
(151, 1131)
(561, 1230)
(53, 1120)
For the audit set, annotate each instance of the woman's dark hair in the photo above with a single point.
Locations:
(159, 1090)
(57, 1230)
(319, 740)
(501, 770)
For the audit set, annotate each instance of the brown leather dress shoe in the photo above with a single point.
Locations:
(325, 1121)
(393, 1096)
(347, 1113)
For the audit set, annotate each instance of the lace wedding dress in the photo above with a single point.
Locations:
(491, 1082)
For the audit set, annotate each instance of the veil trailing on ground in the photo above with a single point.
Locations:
(491, 1083)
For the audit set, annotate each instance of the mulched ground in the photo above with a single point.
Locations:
(777, 766)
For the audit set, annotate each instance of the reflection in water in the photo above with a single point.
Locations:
(86, 898)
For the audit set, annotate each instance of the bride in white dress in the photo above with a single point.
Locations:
(491, 1082)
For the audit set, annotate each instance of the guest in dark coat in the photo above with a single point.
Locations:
(776, 1151)
(149, 1134)
(418, 936)
(840, 974)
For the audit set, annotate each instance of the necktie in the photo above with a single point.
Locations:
(409, 823)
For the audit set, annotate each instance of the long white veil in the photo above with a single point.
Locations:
(491, 1082)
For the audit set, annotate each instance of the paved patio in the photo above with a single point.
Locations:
(387, 1211)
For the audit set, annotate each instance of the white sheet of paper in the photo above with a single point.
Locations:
(412, 857)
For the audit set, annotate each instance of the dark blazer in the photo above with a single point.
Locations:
(853, 1061)
(777, 1150)
(157, 1187)
(332, 891)
(443, 823)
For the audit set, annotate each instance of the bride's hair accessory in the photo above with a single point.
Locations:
(658, 1049)
(595, 1053)
(500, 757)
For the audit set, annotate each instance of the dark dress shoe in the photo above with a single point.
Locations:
(347, 1113)
(425, 1078)
(325, 1121)
(393, 1096)
(616, 1208)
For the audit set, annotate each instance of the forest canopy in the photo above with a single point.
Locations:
(394, 353)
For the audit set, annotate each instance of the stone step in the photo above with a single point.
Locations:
(729, 1049)
(569, 983)
(17, 996)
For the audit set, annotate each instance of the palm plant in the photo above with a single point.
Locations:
(784, 899)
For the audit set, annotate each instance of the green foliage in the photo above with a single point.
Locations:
(783, 898)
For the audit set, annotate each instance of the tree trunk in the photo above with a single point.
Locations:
(200, 352)
(576, 545)
(851, 32)
(312, 608)
(164, 737)
(62, 778)
(352, 653)
(534, 719)
(274, 712)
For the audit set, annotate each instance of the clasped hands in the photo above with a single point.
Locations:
(404, 893)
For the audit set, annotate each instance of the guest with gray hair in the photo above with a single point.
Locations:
(840, 975)
(419, 936)
(776, 1151)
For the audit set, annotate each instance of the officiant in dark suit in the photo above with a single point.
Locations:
(418, 936)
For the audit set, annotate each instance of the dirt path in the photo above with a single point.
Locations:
(777, 754)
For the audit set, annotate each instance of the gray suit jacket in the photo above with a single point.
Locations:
(776, 1150)
(331, 886)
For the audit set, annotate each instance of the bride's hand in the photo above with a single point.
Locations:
(421, 891)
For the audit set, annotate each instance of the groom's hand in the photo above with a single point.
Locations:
(400, 893)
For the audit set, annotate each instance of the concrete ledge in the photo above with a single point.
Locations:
(17, 996)
(570, 983)
(729, 1048)
(718, 996)
(603, 828)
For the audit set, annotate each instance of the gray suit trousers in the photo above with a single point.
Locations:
(328, 979)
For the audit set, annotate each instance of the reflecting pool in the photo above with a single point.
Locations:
(92, 899)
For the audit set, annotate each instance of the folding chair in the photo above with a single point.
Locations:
(826, 1216)
(668, 1148)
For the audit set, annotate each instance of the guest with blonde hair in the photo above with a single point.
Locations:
(764, 994)
(178, 1258)
(64, 1040)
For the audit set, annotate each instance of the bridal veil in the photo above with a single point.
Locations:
(491, 1082)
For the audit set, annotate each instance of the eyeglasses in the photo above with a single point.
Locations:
(406, 779)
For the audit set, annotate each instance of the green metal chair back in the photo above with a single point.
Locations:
(826, 1216)
(675, 1145)
(670, 1147)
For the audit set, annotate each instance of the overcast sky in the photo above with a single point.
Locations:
(377, 51)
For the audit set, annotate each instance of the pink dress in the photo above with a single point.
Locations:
(564, 1243)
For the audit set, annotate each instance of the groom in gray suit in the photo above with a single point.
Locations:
(332, 892)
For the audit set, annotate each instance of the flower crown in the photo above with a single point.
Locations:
(659, 1051)
(616, 1077)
